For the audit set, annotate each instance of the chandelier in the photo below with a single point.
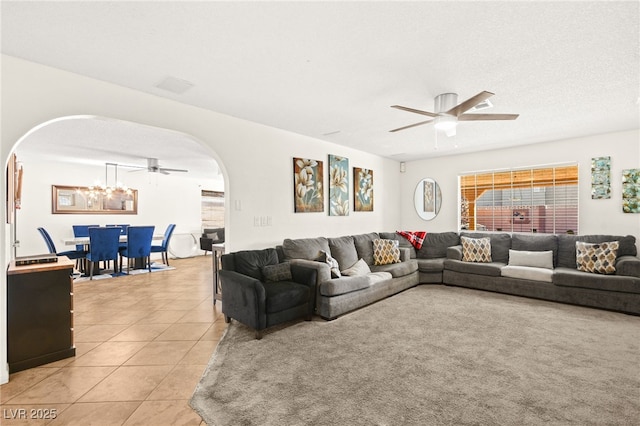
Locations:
(99, 189)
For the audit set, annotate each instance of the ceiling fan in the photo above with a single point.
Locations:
(448, 113)
(153, 166)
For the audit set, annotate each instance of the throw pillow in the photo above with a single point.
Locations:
(359, 268)
(278, 272)
(213, 236)
(386, 252)
(534, 259)
(476, 249)
(333, 263)
(597, 258)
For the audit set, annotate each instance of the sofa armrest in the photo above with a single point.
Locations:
(628, 266)
(454, 252)
(323, 270)
(244, 299)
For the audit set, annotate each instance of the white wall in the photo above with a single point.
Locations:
(162, 199)
(256, 160)
(596, 216)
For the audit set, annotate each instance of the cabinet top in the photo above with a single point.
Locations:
(62, 263)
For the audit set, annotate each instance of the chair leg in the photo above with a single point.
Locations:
(166, 258)
(227, 319)
(258, 334)
(91, 270)
(148, 259)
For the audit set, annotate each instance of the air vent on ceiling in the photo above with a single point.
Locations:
(175, 85)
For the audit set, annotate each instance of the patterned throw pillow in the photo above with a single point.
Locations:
(277, 272)
(333, 263)
(597, 258)
(476, 249)
(385, 252)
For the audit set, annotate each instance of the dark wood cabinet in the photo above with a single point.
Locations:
(39, 314)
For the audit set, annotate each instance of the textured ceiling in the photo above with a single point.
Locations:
(331, 70)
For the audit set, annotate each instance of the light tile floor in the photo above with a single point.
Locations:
(142, 344)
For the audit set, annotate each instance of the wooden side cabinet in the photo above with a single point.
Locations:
(39, 314)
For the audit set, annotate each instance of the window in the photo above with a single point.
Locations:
(541, 199)
(212, 209)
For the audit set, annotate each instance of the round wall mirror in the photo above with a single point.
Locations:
(427, 199)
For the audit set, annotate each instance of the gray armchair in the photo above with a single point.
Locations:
(260, 292)
(211, 236)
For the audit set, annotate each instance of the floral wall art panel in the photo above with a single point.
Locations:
(601, 178)
(631, 191)
(338, 186)
(308, 178)
(363, 189)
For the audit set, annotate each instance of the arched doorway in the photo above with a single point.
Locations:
(80, 150)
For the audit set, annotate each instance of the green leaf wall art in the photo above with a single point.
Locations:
(631, 191)
(601, 178)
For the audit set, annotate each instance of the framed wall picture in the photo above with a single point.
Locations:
(631, 191)
(308, 191)
(338, 186)
(362, 189)
(600, 178)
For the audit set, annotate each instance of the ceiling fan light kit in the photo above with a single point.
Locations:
(449, 112)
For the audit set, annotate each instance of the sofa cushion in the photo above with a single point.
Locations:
(385, 252)
(277, 272)
(398, 269)
(528, 273)
(490, 269)
(598, 258)
(534, 259)
(436, 244)
(360, 268)
(570, 277)
(500, 244)
(343, 249)
(305, 248)
(284, 295)
(251, 262)
(344, 284)
(567, 246)
(628, 265)
(539, 242)
(476, 249)
(430, 265)
(364, 246)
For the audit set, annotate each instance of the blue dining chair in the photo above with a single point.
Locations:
(82, 231)
(76, 255)
(138, 245)
(103, 246)
(162, 248)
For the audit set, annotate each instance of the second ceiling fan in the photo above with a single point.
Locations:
(448, 112)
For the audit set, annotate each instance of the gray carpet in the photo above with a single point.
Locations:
(432, 355)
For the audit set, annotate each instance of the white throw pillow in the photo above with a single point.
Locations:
(359, 268)
(534, 259)
(527, 273)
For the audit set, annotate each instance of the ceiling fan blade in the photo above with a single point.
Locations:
(411, 125)
(164, 169)
(469, 103)
(415, 111)
(478, 117)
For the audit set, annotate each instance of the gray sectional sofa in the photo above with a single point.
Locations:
(440, 261)
(338, 295)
